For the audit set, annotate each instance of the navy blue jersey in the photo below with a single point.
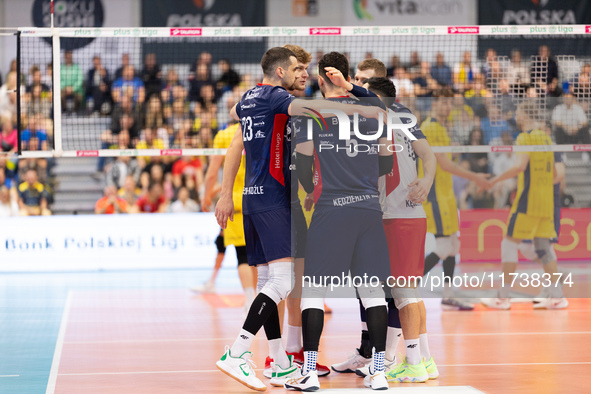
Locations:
(348, 169)
(263, 113)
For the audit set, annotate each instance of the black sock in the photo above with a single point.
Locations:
(449, 265)
(272, 326)
(377, 325)
(312, 325)
(430, 262)
(365, 347)
(262, 307)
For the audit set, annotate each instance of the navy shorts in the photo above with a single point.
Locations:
(299, 231)
(346, 239)
(268, 236)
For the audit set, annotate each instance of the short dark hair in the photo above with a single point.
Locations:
(373, 64)
(443, 92)
(382, 86)
(336, 60)
(275, 57)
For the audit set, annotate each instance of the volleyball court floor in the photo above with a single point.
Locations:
(146, 332)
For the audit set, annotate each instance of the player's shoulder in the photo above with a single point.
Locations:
(397, 107)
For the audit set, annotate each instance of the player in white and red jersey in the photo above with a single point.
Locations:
(401, 197)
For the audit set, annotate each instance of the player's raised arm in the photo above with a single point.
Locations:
(422, 186)
(224, 209)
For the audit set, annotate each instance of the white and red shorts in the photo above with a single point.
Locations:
(406, 246)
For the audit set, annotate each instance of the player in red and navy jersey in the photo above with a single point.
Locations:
(263, 112)
(346, 232)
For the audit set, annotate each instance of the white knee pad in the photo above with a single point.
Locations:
(527, 249)
(418, 295)
(262, 277)
(371, 296)
(544, 250)
(509, 251)
(404, 296)
(281, 281)
(447, 246)
(313, 298)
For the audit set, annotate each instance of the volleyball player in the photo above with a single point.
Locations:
(532, 213)
(346, 232)
(441, 206)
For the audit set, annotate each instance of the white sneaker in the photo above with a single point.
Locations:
(496, 303)
(456, 303)
(355, 361)
(240, 369)
(308, 382)
(279, 375)
(544, 295)
(364, 371)
(377, 381)
(552, 303)
(207, 287)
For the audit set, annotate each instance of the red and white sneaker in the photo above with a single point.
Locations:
(298, 358)
(496, 303)
(268, 371)
(552, 303)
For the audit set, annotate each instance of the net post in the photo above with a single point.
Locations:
(57, 92)
(18, 91)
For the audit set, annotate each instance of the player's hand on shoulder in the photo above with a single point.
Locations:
(419, 190)
(224, 210)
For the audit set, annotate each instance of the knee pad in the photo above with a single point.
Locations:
(313, 298)
(281, 281)
(418, 295)
(404, 296)
(262, 277)
(371, 296)
(509, 251)
(527, 249)
(544, 250)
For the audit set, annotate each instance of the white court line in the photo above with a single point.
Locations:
(475, 334)
(9, 376)
(260, 369)
(59, 344)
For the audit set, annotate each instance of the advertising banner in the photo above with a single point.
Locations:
(482, 230)
(560, 13)
(80, 243)
(184, 16)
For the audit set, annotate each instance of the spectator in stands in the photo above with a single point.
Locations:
(490, 67)
(129, 85)
(47, 78)
(153, 201)
(179, 123)
(493, 124)
(152, 76)
(518, 73)
(543, 69)
(507, 98)
(394, 64)
(202, 77)
(207, 100)
(123, 167)
(184, 204)
(8, 202)
(171, 82)
(582, 90)
(404, 86)
(229, 78)
(441, 72)
(570, 122)
(98, 83)
(37, 80)
(37, 103)
(72, 84)
(414, 65)
(32, 196)
(34, 137)
(154, 113)
(8, 168)
(7, 97)
(424, 84)
(204, 128)
(111, 203)
(460, 120)
(478, 161)
(476, 95)
(203, 59)
(124, 63)
(129, 192)
(127, 109)
(153, 138)
(464, 72)
(8, 136)
(187, 170)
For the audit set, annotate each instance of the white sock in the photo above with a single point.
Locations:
(424, 345)
(249, 295)
(242, 343)
(294, 339)
(392, 339)
(413, 351)
(277, 353)
(309, 362)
